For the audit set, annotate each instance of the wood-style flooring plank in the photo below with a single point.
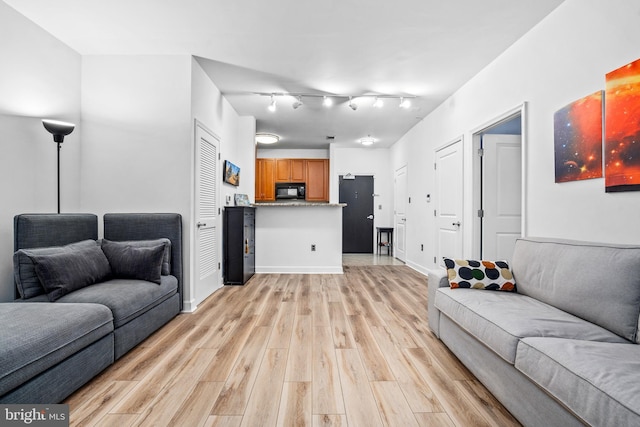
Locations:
(342, 335)
(295, 406)
(327, 391)
(299, 362)
(393, 407)
(196, 407)
(330, 420)
(101, 403)
(374, 362)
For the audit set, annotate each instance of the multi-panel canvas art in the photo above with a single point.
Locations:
(577, 132)
(622, 129)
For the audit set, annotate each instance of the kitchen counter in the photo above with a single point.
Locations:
(299, 204)
(297, 237)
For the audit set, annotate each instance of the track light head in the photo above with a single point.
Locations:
(298, 103)
(352, 105)
(404, 103)
(327, 102)
(272, 105)
(378, 103)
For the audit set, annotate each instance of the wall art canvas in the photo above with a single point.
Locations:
(231, 173)
(622, 129)
(577, 132)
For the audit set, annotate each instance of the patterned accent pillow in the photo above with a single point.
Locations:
(490, 275)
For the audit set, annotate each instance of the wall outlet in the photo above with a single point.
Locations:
(313, 247)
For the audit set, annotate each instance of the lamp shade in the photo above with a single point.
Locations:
(58, 129)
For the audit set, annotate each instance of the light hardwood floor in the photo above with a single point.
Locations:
(295, 350)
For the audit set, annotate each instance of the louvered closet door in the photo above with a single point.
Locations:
(207, 233)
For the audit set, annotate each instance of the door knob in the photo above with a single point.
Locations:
(370, 217)
(456, 224)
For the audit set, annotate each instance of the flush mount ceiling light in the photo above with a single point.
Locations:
(352, 104)
(272, 105)
(267, 138)
(298, 103)
(367, 141)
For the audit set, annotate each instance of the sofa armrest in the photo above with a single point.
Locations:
(437, 279)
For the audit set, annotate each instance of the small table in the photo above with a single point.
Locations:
(388, 231)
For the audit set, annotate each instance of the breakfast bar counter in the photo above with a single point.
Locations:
(299, 237)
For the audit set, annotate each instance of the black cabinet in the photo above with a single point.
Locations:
(239, 233)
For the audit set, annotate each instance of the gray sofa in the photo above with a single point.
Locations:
(55, 338)
(562, 350)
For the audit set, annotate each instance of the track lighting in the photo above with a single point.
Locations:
(327, 100)
(352, 105)
(272, 106)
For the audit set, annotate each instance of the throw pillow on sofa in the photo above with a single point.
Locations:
(166, 258)
(24, 269)
(479, 274)
(66, 271)
(133, 262)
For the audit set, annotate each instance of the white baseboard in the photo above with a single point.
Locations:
(189, 306)
(299, 270)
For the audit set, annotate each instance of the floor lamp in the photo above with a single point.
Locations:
(59, 130)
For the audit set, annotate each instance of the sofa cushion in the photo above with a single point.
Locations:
(595, 281)
(66, 271)
(166, 258)
(24, 270)
(134, 262)
(127, 298)
(500, 319)
(36, 336)
(474, 274)
(598, 381)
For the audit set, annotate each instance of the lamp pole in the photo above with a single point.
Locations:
(59, 146)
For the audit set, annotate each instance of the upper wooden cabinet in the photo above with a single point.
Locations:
(265, 180)
(290, 170)
(317, 180)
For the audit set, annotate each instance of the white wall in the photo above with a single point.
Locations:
(561, 60)
(39, 78)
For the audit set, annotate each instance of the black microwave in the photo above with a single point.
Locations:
(290, 191)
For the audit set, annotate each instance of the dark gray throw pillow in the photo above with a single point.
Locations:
(166, 259)
(68, 271)
(130, 262)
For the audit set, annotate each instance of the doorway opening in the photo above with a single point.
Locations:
(499, 185)
(357, 216)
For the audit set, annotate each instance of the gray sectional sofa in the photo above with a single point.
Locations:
(563, 349)
(76, 315)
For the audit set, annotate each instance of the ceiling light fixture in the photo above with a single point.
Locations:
(327, 102)
(404, 103)
(272, 105)
(267, 138)
(298, 103)
(378, 103)
(367, 141)
(352, 104)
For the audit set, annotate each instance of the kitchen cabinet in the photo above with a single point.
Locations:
(290, 170)
(239, 231)
(317, 180)
(265, 180)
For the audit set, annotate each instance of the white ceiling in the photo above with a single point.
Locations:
(422, 48)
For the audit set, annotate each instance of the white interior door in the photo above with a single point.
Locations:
(501, 195)
(449, 187)
(207, 277)
(400, 213)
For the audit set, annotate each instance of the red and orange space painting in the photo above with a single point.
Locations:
(577, 132)
(622, 129)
